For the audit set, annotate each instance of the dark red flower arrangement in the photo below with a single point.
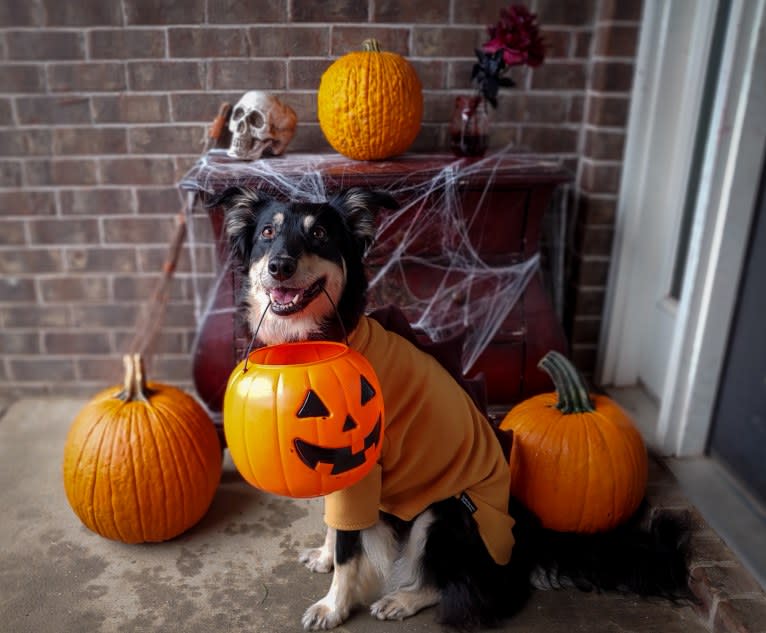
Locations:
(514, 41)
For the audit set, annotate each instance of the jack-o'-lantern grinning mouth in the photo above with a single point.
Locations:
(342, 459)
(285, 301)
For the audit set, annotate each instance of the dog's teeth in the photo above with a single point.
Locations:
(286, 297)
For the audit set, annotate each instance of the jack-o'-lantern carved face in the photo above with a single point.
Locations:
(304, 419)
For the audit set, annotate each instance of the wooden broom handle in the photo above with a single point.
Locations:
(150, 321)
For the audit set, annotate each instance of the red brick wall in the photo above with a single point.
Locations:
(104, 105)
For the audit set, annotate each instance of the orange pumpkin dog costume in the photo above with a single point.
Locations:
(436, 445)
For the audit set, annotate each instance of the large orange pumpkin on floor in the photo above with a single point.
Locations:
(578, 461)
(142, 461)
(303, 419)
(370, 103)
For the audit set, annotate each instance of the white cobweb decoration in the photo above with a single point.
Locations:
(460, 293)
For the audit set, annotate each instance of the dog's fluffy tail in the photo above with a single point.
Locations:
(475, 592)
(648, 561)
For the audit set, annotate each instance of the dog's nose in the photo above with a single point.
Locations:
(282, 267)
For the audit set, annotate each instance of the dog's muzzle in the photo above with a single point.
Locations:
(286, 300)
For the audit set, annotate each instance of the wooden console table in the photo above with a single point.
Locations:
(500, 200)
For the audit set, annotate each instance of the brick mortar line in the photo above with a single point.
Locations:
(87, 29)
(104, 61)
(605, 197)
(598, 226)
(617, 94)
(620, 59)
(66, 188)
(589, 288)
(295, 58)
(158, 28)
(143, 276)
(606, 129)
(175, 330)
(108, 185)
(42, 357)
(596, 259)
(596, 162)
(90, 303)
(84, 94)
(38, 246)
(202, 124)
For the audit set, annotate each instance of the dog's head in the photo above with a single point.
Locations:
(302, 261)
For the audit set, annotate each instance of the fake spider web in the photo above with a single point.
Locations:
(455, 291)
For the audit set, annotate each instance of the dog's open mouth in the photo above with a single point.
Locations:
(286, 301)
(342, 459)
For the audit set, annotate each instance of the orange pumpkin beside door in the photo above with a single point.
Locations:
(578, 461)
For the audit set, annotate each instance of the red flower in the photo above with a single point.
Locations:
(518, 36)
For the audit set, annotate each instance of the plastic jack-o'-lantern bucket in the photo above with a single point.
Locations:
(303, 419)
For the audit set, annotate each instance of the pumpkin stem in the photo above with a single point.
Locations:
(570, 385)
(134, 387)
(371, 46)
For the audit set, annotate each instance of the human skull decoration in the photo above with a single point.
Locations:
(260, 124)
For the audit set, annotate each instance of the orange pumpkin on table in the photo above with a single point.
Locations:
(370, 104)
(141, 462)
(303, 419)
(578, 461)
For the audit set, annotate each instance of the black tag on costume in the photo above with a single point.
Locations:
(468, 502)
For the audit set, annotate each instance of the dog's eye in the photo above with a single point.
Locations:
(319, 233)
(268, 232)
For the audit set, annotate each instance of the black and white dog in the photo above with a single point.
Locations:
(304, 279)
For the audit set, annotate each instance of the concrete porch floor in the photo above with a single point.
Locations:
(237, 570)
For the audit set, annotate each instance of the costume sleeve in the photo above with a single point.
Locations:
(355, 507)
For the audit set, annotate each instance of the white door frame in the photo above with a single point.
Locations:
(720, 227)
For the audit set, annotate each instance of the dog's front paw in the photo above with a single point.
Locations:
(402, 604)
(317, 559)
(321, 616)
(390, 607)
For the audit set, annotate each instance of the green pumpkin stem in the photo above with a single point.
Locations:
(135, 387)
(572, 390)
(371, 46)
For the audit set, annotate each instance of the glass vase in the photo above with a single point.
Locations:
(469, 127)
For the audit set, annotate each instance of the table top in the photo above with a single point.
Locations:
(215, 170)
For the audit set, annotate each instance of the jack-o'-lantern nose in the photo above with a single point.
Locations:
(350, 424)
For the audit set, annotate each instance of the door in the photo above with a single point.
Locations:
(666, 138)
(738, 437)
(691, 176)
(676, 177)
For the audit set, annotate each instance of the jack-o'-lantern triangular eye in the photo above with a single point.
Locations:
(368, 392)
(312, 407)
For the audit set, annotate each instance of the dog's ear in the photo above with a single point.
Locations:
(241, 206)
(359, 207)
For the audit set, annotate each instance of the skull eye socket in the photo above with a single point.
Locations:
(238, 113)
(255, 119)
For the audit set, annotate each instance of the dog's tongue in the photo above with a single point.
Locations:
(285, 295)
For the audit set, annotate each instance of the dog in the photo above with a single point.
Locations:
(390, 546)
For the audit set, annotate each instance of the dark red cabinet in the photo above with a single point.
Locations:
(497, 202)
